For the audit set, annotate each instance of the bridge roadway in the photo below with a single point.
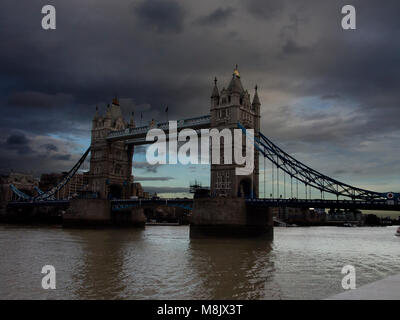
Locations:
(267, 202)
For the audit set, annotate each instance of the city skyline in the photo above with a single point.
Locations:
(325, 98)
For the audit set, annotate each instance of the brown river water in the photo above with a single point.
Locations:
(161, 262)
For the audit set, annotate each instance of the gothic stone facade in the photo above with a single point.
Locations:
(110, 163)
(228, 107)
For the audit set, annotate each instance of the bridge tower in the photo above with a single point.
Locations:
(228, 107)
(110, 163)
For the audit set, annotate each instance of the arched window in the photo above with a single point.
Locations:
(118, 169)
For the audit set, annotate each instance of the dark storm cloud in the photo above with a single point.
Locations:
(217, 17)
(62, 157)
(17, 139)
(162, 15)
(36, 154)
(37, 99)
(50, 147)
(321, 88)
(292, 47)
(18, 142)
(264, 9)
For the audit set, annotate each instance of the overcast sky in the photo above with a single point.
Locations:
(329, 97)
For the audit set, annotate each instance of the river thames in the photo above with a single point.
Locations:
(161, 262)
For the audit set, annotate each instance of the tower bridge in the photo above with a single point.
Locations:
(235, 202)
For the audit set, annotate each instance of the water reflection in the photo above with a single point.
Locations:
(163, 263)
(101, 273)
(232, 268)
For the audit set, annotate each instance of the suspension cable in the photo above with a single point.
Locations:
(291, 186)
(264, 175)
(277, 177)
(273, 182)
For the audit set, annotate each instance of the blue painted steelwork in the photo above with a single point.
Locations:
(52, 192)
(40, 192)
(19, 193)
(187, 204)
(374, 204)
(117, 205)
(308, 176)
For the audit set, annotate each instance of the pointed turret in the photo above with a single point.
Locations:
(215, 93)
(95, 120)
(115, 101)
(114, 111)
(96, 114)
(256, 100)
(108, 112)
(235, 86)
(132, 123)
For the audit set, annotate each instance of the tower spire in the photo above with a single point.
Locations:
(96, 114)
(215, 92)
(256, 99)
(235, 85)
(115, 101)
(236, 72)
(132, 123)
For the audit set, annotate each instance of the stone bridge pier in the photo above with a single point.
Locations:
(229, 217)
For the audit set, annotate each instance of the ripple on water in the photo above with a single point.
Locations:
(163, 263)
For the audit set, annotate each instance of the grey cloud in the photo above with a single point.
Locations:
(146, 166)
(163, 15)
(50, 147)
(17, 139)
(151, 59)
(18, 142)
(264, 9)
(330, 96)
(292, 47)
(217, 17)
(37, 99)
(61, 157)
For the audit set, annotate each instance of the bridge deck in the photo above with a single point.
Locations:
(327, 204)
(267, 202)
(295, 203)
